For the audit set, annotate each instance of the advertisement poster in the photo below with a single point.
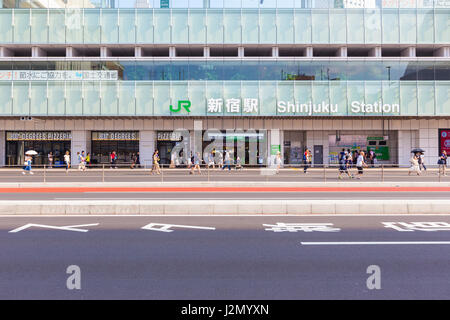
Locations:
(444, 140)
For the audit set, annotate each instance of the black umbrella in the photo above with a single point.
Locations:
(417, 150)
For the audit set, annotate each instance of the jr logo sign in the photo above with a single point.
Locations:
(186, 104)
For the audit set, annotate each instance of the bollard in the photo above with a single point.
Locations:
(45, 178)
(324, 174)
(103, 173)
(382, 173)
(162, 173)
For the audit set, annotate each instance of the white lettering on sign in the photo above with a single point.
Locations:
(39, 135)
(118, 135)
(163, 227)
(326, 108)
(417, 226)
(66, 228)
(306, 227)
(233, 105)
(215, 105)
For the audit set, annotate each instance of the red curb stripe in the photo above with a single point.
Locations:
(222, 189)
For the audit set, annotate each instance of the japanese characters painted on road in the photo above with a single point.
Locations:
(66, 228)
(418, 226)
(165, 227)
(306, 227)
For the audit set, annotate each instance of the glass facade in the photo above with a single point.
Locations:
(194, 4)
(225, 98)
(225, 26)
(248, 70)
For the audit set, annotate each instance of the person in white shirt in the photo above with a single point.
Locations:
(360, 163)
(67, 161)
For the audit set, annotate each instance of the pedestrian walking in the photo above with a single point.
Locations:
(156, 168)
(133, 161)
(360, 164)
(415, 167)
(307, 160)
(421, 158)
(50, 160)
(278, 161)
(67, 161)
(238, 163)
(82, 160)
(372, 157)
(211, 160)
(442, 162)
(113, 159)
(138, 160)
(344, 163)
(27, 165)
(197, 160)
(88, 159)
(227, 163)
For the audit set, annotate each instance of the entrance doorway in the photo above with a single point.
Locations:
(17, 143)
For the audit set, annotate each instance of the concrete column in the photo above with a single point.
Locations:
(70, 52)
(206, 52)
(318, 138)
(442, 52)
(81, 140)
(342, 52)
(197, 141)
(309, 52)
(37, 52)
(429, 141)
(105, 52)
(2, 148)
(4, 52)
(147, 145)
(172, 52)
(409, 52)
(274, 140)
(375, 52)
(241, 52)
(275, 52)
(138, 52)
(407, 140)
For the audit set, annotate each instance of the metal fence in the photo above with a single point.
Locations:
(286, 173)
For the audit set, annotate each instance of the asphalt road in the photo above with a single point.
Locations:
(239, 259)
(182, 175)
(189, 195)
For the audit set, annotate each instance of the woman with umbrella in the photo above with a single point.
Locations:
(28, 160)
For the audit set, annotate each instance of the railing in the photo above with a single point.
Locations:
(287, 173)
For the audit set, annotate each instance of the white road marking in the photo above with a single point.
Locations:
(164, 227)
(66, 228)
(372, 243)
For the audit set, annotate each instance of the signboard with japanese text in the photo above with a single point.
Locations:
(57, 75)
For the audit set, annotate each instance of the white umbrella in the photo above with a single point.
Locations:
(31, 153)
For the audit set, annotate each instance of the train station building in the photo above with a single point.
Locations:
(139, 75)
